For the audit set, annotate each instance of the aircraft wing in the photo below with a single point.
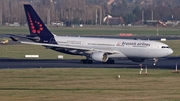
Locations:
(72, 47)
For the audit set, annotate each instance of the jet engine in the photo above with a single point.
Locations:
(99, 56)
(137, 59)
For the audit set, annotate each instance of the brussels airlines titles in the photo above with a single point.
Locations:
(134, 44)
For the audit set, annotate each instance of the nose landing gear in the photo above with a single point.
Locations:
(155, 61)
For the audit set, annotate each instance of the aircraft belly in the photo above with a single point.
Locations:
(144, 53)
(141, 53)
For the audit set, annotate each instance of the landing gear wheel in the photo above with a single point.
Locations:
(110, 62)
(154, 64)
(85, 61)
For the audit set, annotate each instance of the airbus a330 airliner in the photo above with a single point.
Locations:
(95, 49)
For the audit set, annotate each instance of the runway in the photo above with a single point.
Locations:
(55, 63)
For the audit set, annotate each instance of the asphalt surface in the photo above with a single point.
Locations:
(55, 63)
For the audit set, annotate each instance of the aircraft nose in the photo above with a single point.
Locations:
(170, 51)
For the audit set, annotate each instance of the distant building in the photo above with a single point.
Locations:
(109, 20)
(151, 22)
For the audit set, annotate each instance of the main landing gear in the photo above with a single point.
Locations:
(89, 60)
(86, 61)
(110, 62)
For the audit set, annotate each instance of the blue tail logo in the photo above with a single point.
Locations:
(36, 25)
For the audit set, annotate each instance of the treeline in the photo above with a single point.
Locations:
(76, 11)
(89, 11)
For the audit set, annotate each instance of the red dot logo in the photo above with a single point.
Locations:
(34, 31)
(32, 27)
(31, 24)
(35, 26)
(38, 31)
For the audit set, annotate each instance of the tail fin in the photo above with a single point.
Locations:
(36, 26)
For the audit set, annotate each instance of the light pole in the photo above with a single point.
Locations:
(100, 18)
(101, 13)
(151, 14)
(157, 30)
(1, 17)
(96, 17)
(72, 19)
(48, 16)
(142, 16)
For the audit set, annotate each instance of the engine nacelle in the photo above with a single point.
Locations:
(99, 56)
(137, 59)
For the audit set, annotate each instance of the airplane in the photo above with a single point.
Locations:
(94, 49)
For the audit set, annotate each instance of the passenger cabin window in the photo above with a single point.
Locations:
(165, 47)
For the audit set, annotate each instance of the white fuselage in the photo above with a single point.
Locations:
(124, 47)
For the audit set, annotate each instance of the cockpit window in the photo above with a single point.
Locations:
(165, 47)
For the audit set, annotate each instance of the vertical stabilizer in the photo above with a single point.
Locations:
(36, 26)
